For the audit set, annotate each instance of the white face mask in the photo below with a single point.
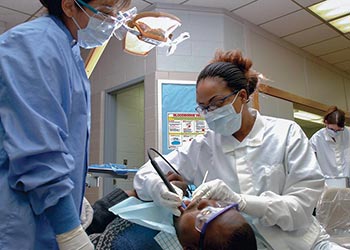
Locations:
(225, 120)
(98, 30)
(95, 34)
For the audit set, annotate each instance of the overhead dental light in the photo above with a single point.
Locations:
(144, 31)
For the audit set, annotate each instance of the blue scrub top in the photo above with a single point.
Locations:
(44, 129)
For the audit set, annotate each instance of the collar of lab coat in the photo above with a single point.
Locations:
(60, 24)
(253, 139)
(327, 137)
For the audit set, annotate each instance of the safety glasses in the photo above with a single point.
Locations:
(214, 104)
(206, 216)
(103, 13)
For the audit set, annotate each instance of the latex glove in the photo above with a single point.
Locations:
(87, 214)
(177, 180)
(218, 190)
(163, 197)
(75, 239)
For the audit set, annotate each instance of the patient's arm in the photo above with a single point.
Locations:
(102, 217)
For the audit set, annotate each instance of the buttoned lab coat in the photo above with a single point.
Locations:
(333, 156)
(274, 163)
(44, 129)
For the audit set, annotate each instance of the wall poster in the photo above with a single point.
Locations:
(179, 121)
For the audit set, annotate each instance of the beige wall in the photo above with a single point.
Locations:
(288, 68)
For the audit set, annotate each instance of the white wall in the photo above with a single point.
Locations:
(130, 125)
(114, 70)
(298, 73)
(289, 68)
(206, 33)
(276, 107)
(129, 130)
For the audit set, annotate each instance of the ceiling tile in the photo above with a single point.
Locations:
(313, 35)
(27, 6)
(307, 3)
(291, 23)
(139, 4)
(41, 11)
(337, 57)
(344, 65)
(11, 18)
(265, 10)
(328, 46)
(166, 1)
(225, 4)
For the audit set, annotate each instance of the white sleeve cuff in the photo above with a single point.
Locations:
(255, 206)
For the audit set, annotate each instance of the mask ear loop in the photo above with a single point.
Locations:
(87, 6)
(234, 102)
(76, 23)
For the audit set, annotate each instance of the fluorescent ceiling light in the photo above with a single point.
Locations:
(331, 9)
(303, 115)
(342, 24)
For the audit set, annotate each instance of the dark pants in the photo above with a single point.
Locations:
(109, 231)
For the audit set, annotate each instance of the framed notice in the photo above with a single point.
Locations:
(179, 121)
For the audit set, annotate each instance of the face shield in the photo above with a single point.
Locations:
(142, 32)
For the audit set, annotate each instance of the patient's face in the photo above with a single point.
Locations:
(220, 228)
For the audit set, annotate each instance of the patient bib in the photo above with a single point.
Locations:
(146, 214)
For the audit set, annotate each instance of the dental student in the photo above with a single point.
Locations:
(332, 144)
(45, 123)
(264, 164)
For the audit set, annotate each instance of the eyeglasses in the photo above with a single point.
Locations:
(214, 104)
(102, 12)
(206, 216)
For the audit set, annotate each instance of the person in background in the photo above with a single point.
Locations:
(264, 164)
(332, 144)
(45, 123)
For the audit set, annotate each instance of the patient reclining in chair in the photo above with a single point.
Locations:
(205, 224)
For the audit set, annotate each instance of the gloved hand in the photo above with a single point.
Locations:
(218, 190)
(75, 239)
(253, 205)
(177, 180)
(163, 197)
(87, 214)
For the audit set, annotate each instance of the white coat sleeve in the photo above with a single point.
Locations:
(183, 159)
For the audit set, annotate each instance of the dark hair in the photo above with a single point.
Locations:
(335, 116)
(54, 6)
(233, 69)
(242, 237)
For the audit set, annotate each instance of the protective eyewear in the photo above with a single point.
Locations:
(206, 216)
(103, 13)
(140, 32)
(214, 104)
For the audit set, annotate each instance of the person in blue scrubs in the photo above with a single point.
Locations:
(45, 123)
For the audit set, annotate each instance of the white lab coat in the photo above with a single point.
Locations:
(333, 156)
(274, 163)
